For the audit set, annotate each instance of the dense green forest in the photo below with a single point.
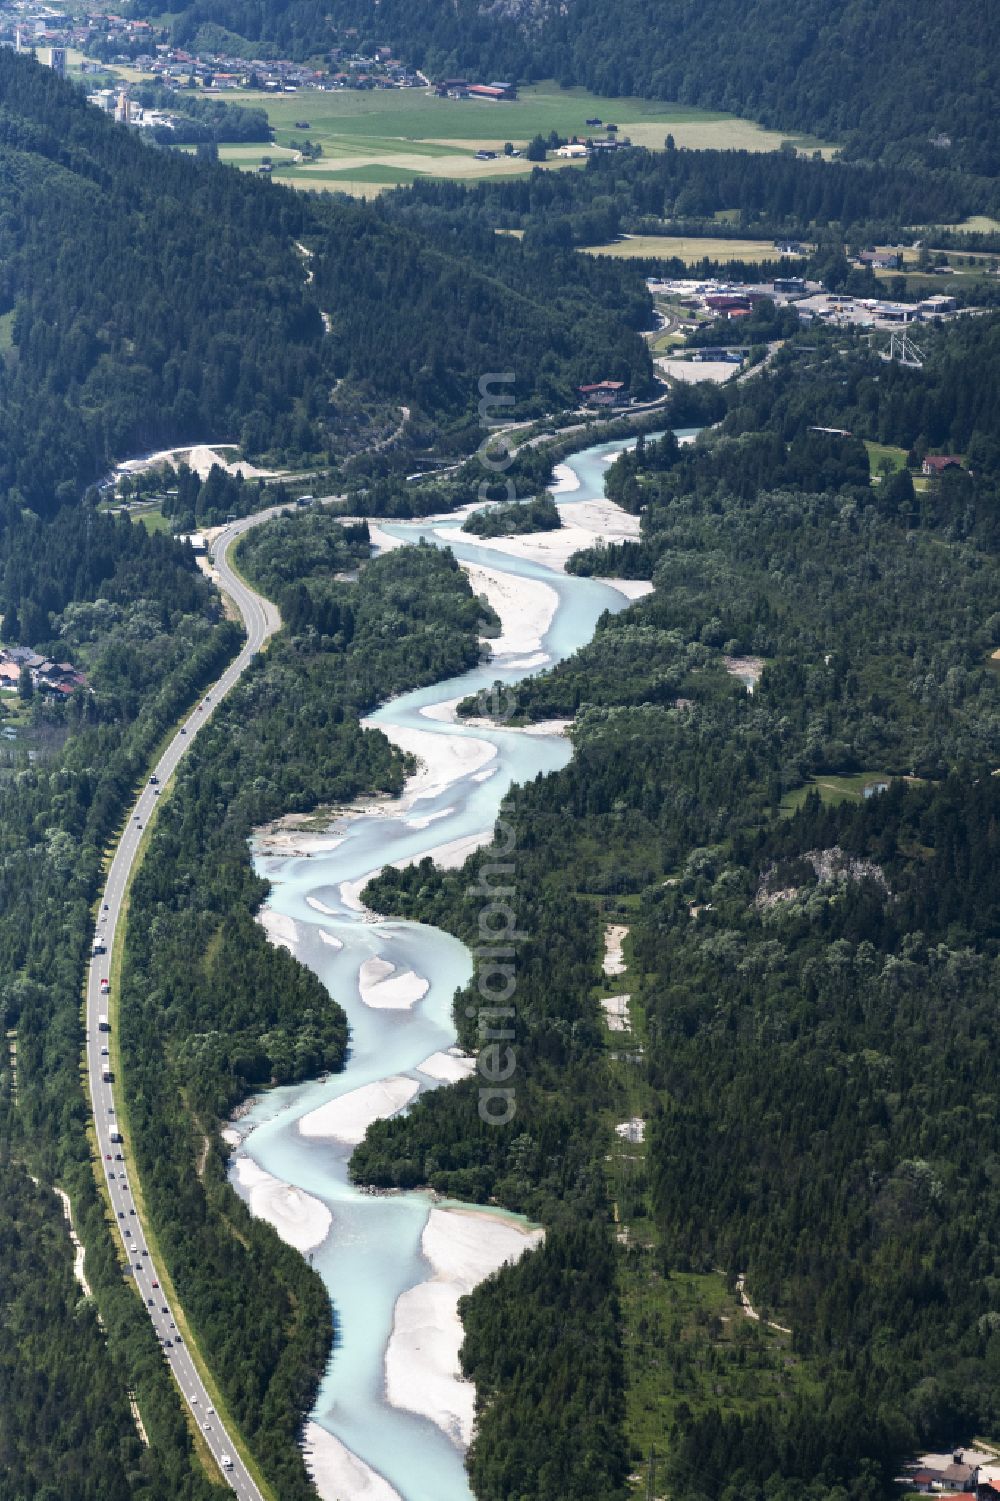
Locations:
(134, 612)
(775, 193)
(812, 970)
(871, 80)
(811, 958)
(148, 299)
(212, 1011)
(66, 1430)
(538, 515)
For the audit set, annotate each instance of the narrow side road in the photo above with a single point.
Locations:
(261, 620)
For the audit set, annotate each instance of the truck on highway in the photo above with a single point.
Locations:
(106, 1074)
(115, 1136)
(103, 1025)
(226, 1461)
(105, 986)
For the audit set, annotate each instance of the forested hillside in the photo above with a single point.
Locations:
(212, 1011)
(148, 299)
(759, 193)
(811, 971)
(869, 77)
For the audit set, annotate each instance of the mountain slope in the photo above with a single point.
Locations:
(148, 299)
(885, 77)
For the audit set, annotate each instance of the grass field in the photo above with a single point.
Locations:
(884, 453)
(405, 133)
(689, 249)
(834, 789)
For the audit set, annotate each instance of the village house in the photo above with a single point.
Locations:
(59, 679)
(937, 463)
(881, 260)
(604, 393)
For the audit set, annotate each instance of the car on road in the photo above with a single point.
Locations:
(156, 1284)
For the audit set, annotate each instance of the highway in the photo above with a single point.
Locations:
(261, 620)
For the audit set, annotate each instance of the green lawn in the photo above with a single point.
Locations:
(153, 520)
(884, 453)
(834, 789)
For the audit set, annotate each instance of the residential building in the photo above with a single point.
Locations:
(604, 393)
(937, 463)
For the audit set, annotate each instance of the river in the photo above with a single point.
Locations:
(372, 1252)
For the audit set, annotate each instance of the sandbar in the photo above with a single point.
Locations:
(382, 540)
(300, 1220)
(347, 1118)
(525, 607)
(448, 1067)
(585, 524)
(565, 480)
(281, 930)
(385, 988)
(422, 1371)
(428, 819)
(445, 711)
(337, 1473)
(455, 852)
(631, 588)
(444, 759)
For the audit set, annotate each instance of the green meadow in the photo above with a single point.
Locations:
(384, 137)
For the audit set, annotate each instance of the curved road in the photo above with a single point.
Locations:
(261, 619)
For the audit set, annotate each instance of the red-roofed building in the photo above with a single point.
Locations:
(724, 302)
(605, 393)
(937, 463)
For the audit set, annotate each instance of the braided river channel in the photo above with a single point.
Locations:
(391, 1421)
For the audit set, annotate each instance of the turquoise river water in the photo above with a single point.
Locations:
(372, 1252)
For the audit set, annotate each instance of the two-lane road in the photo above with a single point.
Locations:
(261, 620)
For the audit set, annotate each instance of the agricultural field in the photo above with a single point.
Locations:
(382, 138)
(689, 248)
